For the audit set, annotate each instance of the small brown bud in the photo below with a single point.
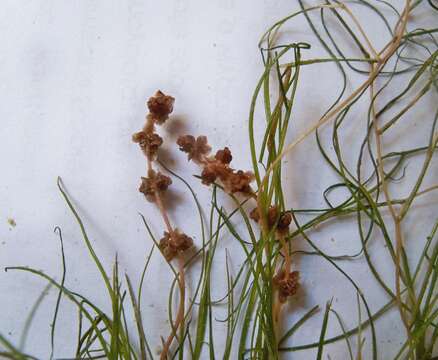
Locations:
(254, 214)
(168, 252)
(284, 222)
(239, 182)
(224, 156)
(139, 137)
(223, 171)
(153, 184)
(163, 182)
(146, 187)
(160, 106)
(208, 176)
(287, 283)
(196, 149)
(171, 244)
(149, 143)
(271, 215)
(186, 143)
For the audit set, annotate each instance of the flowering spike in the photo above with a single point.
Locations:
(160, 106)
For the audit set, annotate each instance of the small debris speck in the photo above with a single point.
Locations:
(12, 222)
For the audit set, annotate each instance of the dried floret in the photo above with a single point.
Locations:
(149, 143)
(186, 143)
(155, 183)
(271, 215)
(282, 225)
(255, 214)
(287, 284)
(284, 222)
(224, 156)
(139, 137)
(239, 181)
(160, 106)
(173, 243)
(208, 176)
(162, 182)
(196, 149)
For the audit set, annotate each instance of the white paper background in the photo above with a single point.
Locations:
(74, 77)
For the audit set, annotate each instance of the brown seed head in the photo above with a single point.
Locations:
(171, 244)
(153, 184)
(160, 106)
(139, 137)
(186, 143)
(255, 215)
(271, 215)
(224, 156)
(239, 182)
(196, 149)
(287, 284)
(149, 143)
(208, 176)
(284, 222)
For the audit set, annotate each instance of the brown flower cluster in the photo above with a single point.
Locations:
(216, 167)
(280, 221)
(171, 244)
(155, 183)
(160, 106)
(287, 284)
(196, 148)
(149, 143)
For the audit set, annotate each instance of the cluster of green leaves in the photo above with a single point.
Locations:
(250, 328)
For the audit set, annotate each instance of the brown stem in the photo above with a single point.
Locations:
(159, 202)
(277, 305)
(287, 257)
(163, 212)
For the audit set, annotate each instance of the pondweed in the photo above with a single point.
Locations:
(394, 77)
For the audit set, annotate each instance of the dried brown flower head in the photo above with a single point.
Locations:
(139, 137)
(208, 176)
(155, 183)
(196, 149)
(160, 106)
(186, 143)
(255, 215)
(171, 244)
(271, 215)
(284, 222)
(224, 156)
(287, 284)
(149, 143)
(239, 182)
(282, 225)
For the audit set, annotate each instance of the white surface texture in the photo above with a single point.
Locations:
(74, 77)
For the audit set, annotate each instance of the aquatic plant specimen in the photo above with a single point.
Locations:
(390, 81)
